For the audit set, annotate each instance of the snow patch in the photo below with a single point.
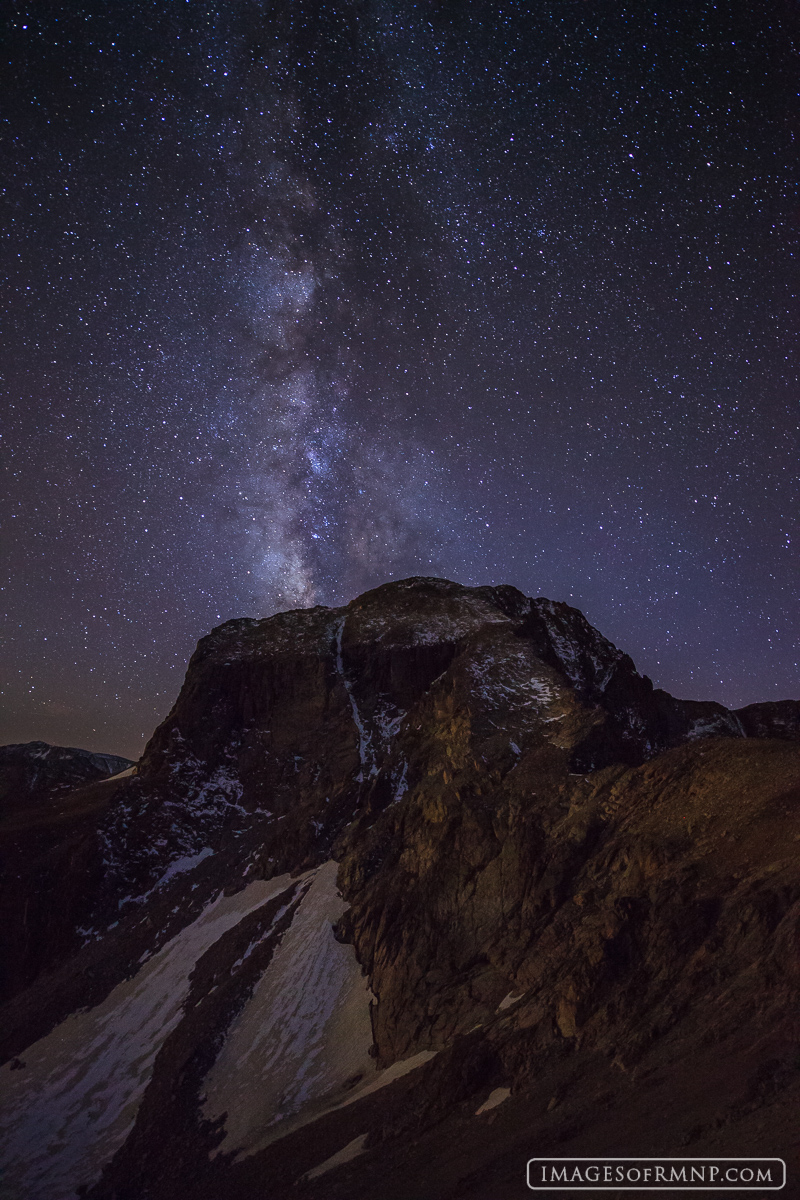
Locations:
(494, 1098)
(67, 1113)
(345, 1155)
(397, 1070)
(508, 1001)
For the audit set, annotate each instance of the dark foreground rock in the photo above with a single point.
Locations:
(48, 824)
(424, 886)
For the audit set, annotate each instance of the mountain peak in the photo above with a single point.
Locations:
(544, 869)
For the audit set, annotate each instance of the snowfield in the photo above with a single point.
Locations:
(72, 1106)
(303, 1036)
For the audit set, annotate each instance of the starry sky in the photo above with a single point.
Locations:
(301, 297)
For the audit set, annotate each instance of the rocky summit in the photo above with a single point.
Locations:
(401, 895)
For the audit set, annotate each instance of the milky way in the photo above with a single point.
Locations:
(303, 297)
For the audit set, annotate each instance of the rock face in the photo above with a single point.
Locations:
(400, 895)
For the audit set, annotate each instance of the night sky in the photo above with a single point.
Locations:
(298, 298)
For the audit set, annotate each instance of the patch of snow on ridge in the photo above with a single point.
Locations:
(496, 1097)
(345, 1155)
(65, 1115)
(403, 1066)
(304, 1035)
(508, 1000)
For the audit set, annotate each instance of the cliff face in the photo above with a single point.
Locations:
(565, 918)
(297, 723)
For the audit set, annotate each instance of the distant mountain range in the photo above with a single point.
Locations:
(400, 895)
(32, 770)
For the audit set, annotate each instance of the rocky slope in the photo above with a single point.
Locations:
(400, 895)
